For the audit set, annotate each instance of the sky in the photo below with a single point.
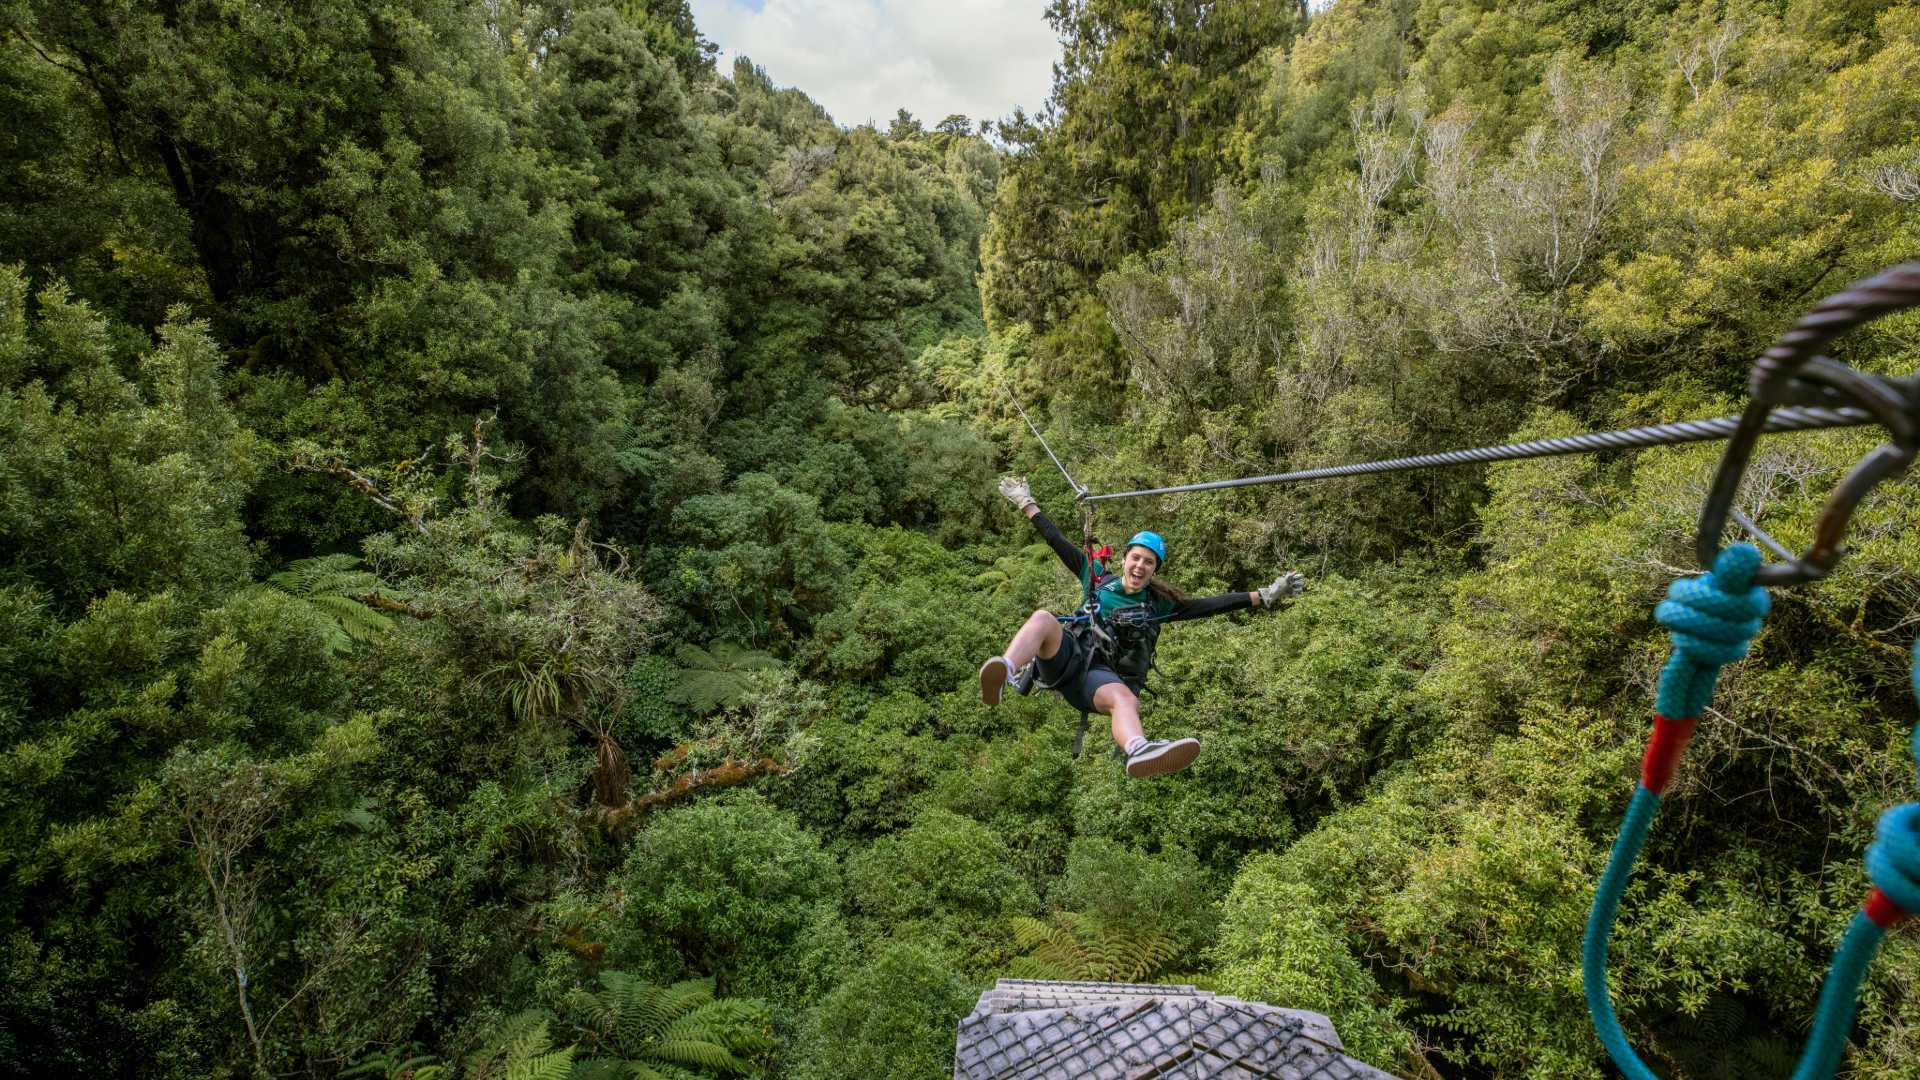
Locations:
(864, 59)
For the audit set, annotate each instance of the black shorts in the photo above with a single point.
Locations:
(1075, 672)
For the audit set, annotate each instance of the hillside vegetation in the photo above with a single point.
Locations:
(497, 530)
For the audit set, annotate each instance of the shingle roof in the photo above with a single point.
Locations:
(1032, 1030)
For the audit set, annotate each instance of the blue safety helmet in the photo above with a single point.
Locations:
(1152, 542)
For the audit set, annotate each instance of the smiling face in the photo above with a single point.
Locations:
(1136, 568)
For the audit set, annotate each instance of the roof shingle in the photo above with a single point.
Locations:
(1035, 1030)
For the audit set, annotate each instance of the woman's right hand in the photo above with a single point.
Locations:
(1016, 490)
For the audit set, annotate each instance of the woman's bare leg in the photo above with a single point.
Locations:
(1039, 636)
(1118, 702)
(1144, 757)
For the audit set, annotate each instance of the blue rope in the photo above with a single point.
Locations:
(1893, 865)
(1713, 619)
(1606, 910)
(1893, 860)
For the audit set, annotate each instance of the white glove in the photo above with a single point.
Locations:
(1291, 583)
(1016, 490)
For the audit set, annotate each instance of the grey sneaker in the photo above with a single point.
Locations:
(1160, 757)
(993, 678)
(1022, 681)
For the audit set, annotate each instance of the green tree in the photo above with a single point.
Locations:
(728, 887)
(1144, 99)
(895, 1017)
(758, 557)
(113, 481)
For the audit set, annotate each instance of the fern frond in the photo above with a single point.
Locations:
(685, 996)
(736, 1023)
(518, 1037)
(331, 585)
(1768, 1055)
(733, 1025)
(1072, 946)
(1032, 967)
(718, 676)
(1027, 931)
(551, 1066)
(599, 1015)
(311, 577)
(355, 619)
(1131, 956)
(530, 1043)
(631, 1010)
(695, 1052)
(601, 1069)
(1720, 1019)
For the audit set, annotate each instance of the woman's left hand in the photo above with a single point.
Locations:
(1291, 583)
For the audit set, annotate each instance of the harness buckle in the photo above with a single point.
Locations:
(1793, 372)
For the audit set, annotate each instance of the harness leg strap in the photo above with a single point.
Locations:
(1080, 736)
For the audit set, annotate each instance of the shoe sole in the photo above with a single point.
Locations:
(993, 679)
(1176, 756)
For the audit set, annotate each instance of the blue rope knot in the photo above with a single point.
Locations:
(1713, 619)
(1893, 859)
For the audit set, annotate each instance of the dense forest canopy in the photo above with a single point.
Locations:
(497, 529)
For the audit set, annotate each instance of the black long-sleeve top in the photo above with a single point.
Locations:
(1166, 610)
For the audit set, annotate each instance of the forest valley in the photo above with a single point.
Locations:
(498, 528)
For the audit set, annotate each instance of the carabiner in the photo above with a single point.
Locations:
(1793, 372)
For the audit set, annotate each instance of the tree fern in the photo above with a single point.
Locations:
(716, 677)
(555, 1065)
(640, 1029)
(521, 1049)
(404, 1063)
(331, 586)
(1724, 1041)
(1768, 1055)
(1073, 946)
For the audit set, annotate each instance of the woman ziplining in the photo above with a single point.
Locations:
(1099, 659)
(1713, 619)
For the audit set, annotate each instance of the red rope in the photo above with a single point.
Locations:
(1663, 751)
(1882, 910)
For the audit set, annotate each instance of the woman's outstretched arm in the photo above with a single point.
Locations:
(1068, 551)
(1015, 489)
(1204, 606)
(1291, 583)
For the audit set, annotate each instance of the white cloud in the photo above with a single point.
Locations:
(863, 59)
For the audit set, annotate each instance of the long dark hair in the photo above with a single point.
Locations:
(1163, 591)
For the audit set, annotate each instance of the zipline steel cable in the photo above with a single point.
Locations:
(1812, 418)
(1793, 389)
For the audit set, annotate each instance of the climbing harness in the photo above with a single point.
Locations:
(1713, 619)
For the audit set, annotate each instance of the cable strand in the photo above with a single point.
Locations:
(1809, 418)
(1079, 491)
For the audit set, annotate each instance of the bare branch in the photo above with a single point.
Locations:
(363, 483)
